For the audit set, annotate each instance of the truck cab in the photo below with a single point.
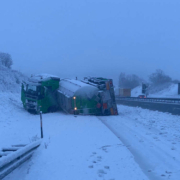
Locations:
(39, 93)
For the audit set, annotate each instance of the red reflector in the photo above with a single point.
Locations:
(104, 105)
(98, 105)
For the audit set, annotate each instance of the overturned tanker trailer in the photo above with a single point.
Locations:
(90, 96)
(47, 93)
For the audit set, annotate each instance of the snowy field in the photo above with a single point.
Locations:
(137, 144)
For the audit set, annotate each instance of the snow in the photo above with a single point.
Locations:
(137, 144)
(20, 151)
(43, 76)
(136, 91)
(170, 91)
(152, 137)
(10, 80)
(73, 147)
(70, 87)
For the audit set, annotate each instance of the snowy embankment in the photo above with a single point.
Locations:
(136, 91)
(79, 148)
(169, 92)
(10, 80)
(152, 137)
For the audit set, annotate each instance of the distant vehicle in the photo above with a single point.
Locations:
(141, 96)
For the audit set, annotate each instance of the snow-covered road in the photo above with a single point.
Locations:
(137, 144)
(152, 137)
(78, 148)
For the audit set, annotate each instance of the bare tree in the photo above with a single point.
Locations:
(159, 77)
(6, 60)
(129, 81)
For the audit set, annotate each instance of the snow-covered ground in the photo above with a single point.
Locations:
(152, 137)
(75, 148)
(137, 144)
(169, 92)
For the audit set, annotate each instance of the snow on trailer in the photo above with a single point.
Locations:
(76, 96)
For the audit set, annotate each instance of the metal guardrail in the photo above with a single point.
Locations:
(12, 157)
(170, 105)
(154, 100)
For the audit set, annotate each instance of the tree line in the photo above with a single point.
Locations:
(6, 60)
(156, 78)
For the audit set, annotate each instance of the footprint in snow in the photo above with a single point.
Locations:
(91, 166)
(101, 171)
(168, 172)
(106, 167)
(105, 150)
(99, 158)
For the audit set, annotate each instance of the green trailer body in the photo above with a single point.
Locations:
(107, 102)
(39, 93)
(91, 96)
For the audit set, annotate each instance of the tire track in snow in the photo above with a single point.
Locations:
(150, 156)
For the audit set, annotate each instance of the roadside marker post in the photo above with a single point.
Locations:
(41, 124)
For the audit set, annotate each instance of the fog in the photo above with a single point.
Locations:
(92, 37)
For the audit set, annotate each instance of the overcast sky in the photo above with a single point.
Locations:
(73, 38)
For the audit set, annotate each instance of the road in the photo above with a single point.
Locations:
(78, 148)
(152, 137)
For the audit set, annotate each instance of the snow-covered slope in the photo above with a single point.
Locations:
(170, 91)
(136, 91)
(10, 80)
